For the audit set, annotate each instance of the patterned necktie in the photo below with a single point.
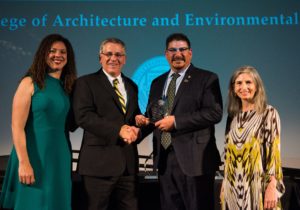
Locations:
(166, 136)
(120, 96)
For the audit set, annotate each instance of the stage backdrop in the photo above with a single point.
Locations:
(224, 35)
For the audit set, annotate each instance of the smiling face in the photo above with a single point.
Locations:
(244, 87)
(57, 56)
(112, 58)
(178, 54)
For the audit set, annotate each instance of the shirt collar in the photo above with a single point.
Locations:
(181, 72)
(111, 78)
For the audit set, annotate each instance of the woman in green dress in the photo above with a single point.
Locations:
(252, 172)
(38, 175)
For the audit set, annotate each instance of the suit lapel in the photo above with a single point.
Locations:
(129, 92)
(183, 86)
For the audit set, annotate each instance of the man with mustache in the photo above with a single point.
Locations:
(184, 144)
(105, 104)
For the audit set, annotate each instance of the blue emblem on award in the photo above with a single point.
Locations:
(144, 75)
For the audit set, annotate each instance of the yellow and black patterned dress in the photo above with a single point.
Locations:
(252, 154)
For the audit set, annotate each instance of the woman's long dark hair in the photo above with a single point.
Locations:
(39, 67)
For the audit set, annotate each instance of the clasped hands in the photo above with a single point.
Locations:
(129, 134)
(165, 124)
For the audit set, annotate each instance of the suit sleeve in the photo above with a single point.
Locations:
(208, 111)
(86, 114)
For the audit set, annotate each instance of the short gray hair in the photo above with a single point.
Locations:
(111, 40)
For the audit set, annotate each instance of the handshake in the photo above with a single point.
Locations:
(129, 134)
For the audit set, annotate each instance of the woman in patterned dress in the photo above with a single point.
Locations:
(253, 177)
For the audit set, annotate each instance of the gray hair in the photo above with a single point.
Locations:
(259, 99)
(111, 40)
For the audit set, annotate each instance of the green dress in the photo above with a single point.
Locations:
(49, 153)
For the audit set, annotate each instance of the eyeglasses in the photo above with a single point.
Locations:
(110, 54)
(180, 49)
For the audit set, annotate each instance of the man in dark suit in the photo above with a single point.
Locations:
(185, 151)
(105, 104)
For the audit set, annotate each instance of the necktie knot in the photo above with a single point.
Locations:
(115, 82)
(175, 76)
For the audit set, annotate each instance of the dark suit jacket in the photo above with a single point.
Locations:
(197, 108)
(98, 111)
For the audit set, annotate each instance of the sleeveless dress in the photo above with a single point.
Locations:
(49, 154)
(252, 155)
